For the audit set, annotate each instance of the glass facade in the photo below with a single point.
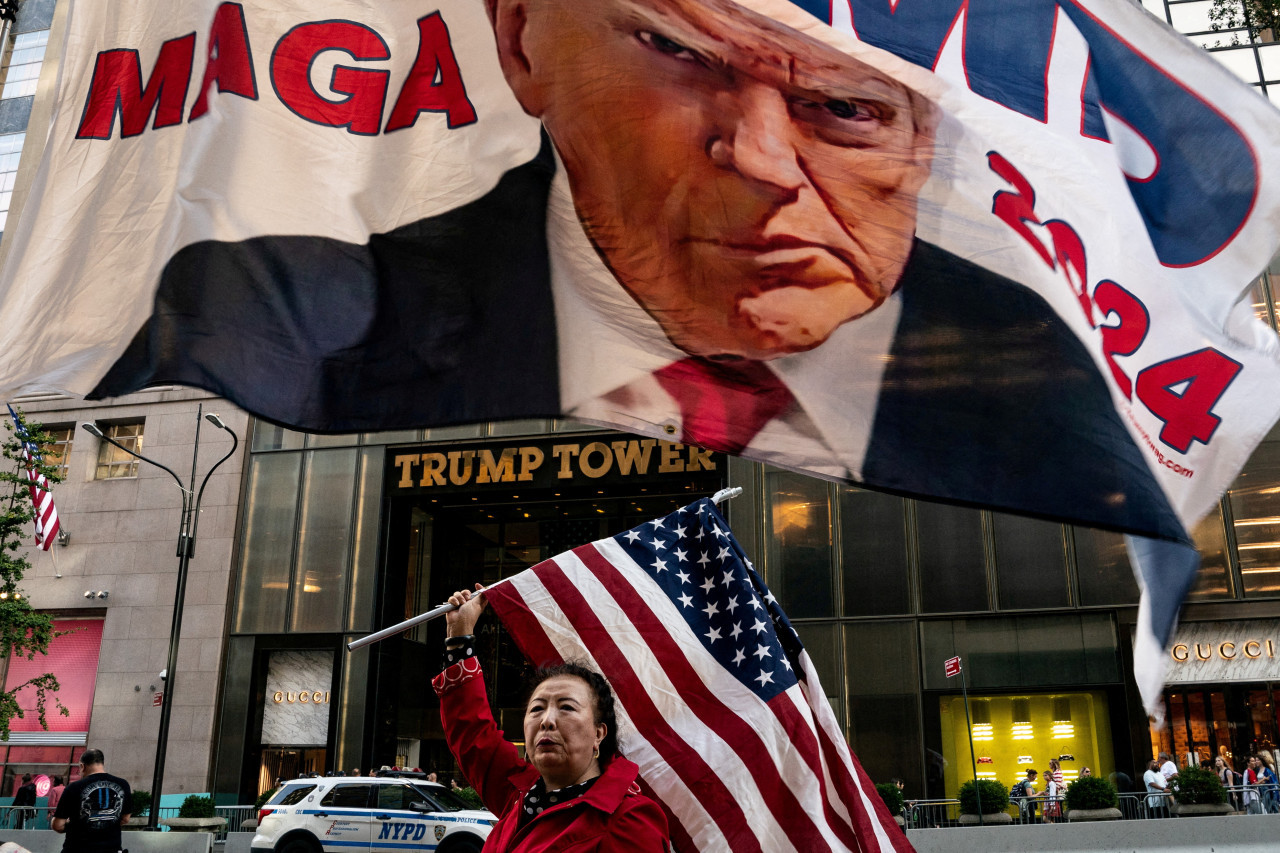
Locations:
(23, 57)
(1255, 62)
(1230, 721)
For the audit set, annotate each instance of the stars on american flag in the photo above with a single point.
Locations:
(711, 591)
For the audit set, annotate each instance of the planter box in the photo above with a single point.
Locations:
(1074, 815)
(1207, 809)
(194, 824)
(993, 819)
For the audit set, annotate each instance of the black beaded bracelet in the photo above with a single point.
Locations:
(460, 640)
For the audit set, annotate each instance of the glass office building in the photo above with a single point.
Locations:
(340, 535)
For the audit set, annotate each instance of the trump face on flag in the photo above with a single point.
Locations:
(749, 196)
(751, 191)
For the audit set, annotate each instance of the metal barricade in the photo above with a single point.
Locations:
(1136, 805)
(930, 814)
(24, 817)
(1254, 799)
(236, 816)
(1030, 809)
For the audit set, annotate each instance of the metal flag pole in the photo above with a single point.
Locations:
(436, 612)
(968, 725)
(189, 521)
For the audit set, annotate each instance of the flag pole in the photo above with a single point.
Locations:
(436, 612)
(968, 725)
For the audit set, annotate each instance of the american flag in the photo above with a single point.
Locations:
(41, 497)
(718, 701)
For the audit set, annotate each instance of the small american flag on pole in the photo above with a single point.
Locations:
(41, 496)
(718, 701)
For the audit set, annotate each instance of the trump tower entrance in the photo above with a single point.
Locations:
(466, 514)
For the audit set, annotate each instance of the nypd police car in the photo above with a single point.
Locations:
(375, 814)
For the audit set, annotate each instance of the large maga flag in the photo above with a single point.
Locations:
(985, 252)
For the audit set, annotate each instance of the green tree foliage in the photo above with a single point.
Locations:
(1259, 18)
(23, 631)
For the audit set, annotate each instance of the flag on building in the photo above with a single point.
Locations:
(46, 519)
(719, 703)
(987, 253)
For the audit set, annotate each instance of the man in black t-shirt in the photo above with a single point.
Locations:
(93, 808)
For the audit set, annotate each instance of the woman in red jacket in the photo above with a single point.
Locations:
(574, 792)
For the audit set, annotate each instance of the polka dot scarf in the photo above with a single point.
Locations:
(539, 800)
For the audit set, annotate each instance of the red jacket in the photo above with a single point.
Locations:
(611, 817)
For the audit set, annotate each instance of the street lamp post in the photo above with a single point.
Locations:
(186, 549)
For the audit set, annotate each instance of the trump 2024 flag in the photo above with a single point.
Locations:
(719, 703)
(993, 252)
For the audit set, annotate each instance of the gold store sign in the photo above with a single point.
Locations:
(545, 463)
(1228, 650)
(313, 697)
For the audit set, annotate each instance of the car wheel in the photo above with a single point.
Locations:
(463, 844)
(298, 844)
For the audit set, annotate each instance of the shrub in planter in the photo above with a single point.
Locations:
(470, 797)
(197, 806)
(995, 797)
(263, 797)
(1195, 786)
(140, 803)
(892, 797)
(1090, 793)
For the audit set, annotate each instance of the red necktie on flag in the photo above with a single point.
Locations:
(719, 703)
(46, 513)
(723, 405)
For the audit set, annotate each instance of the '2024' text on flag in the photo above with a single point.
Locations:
(719, 703)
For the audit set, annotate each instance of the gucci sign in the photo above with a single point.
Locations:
(314, 697)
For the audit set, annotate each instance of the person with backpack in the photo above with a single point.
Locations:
(1023, 793)
(1229, 780)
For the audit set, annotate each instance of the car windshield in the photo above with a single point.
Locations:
(443, 798)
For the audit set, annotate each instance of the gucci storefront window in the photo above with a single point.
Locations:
(1221, 693)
